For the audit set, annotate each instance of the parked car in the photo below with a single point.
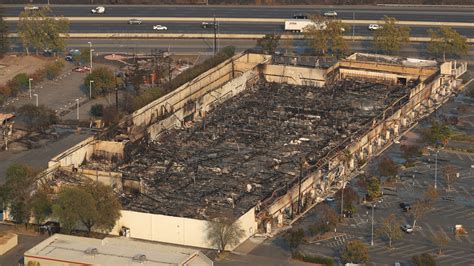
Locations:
(405, 206)
(81, 69)
(160, 27)
(98, 10)
(31, 8)
(330, 14)
(374, 27)
(50, 227)
(134, 21)
(329, 199)
(300, 16)
(407, 228)
(68, 58)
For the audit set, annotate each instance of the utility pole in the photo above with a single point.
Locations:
(436, 170)
(90, 55)
(90, 88)
(372, 235)
(77, 112)
(36, 96)
(342, 198)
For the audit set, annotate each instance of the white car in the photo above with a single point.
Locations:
(31, 8)
(160, 27)
(330, 14)
(374, 27)
(135, 21)
(98, 10)
(407, 228)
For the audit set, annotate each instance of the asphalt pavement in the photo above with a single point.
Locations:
(452, 14)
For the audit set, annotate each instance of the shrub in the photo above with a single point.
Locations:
(319, 260)
(36, 118)
(52, 70)
(319, 228)
(19, 82)
(110, 115)
(424, 259)
(5, 91)
(97, 109)
(295, 238)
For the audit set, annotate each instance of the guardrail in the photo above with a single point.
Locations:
(254, 20)
(211, 36)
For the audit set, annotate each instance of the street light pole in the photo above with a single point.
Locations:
(372, 235)
(29, 85)
(90, 55)
(436, 170)
(90, 88)
(77, 112)
(342, 198)
(36, 95)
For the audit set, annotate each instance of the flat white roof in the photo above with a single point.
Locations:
(113, 251)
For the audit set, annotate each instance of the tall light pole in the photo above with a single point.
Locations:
(29, 85)
(90, 88)
(436, 170)
(36, 95)
(372, 235)
(90, 55)
(77, 112)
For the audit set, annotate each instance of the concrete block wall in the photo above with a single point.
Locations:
(295, 75)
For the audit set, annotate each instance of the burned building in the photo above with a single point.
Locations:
(256, 141)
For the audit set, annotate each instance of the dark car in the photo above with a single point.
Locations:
(300, 16)
(207, 25)
(68, 58)
(405, 206)
(50, 227)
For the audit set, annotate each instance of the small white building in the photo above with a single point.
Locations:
(73, 250)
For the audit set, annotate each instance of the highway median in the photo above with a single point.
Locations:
(211, 36)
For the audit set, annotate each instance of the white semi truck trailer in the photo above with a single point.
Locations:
(301, 25)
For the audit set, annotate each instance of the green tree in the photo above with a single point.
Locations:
(41, 30)
(438, 133)
(447, 41)
(269, 43)
(390, 229)
(4, 42)
(391, 36)
(83, 57)
(97, 110)
(373, 188)
(294, 238)
(418, 210)
(355, 251)
(387, 167)
(36, 118)
(326, 35)
(16, 192)
(350, 196)
(104, 81)
(41, 206)
(93, 205)
(425, 259)
(222, 232)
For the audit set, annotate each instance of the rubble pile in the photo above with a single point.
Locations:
(249, 146)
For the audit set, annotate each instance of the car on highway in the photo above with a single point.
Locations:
(160, 27)
(300, 16)
(98, 10)
(31, 8)
(330, 14)
(134, 21)
(407, 228)
(207, 25)
(374, 27)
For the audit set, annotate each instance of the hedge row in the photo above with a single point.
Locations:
(313, 259)
(20, 82)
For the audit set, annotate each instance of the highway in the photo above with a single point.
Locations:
(224, 27)
(451, 14)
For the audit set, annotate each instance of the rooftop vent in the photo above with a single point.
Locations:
(139, 258)
(91, 251)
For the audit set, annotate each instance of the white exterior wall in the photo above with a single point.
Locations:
(295, 75)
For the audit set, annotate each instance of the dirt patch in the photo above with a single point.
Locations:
(12, 65)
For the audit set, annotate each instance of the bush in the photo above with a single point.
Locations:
(319, 228)
(5, 91)
(298, 255)
(53, 70)
(110, 115)
(97, 110)
(36, 118)
(424, 259)
(18, 83)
